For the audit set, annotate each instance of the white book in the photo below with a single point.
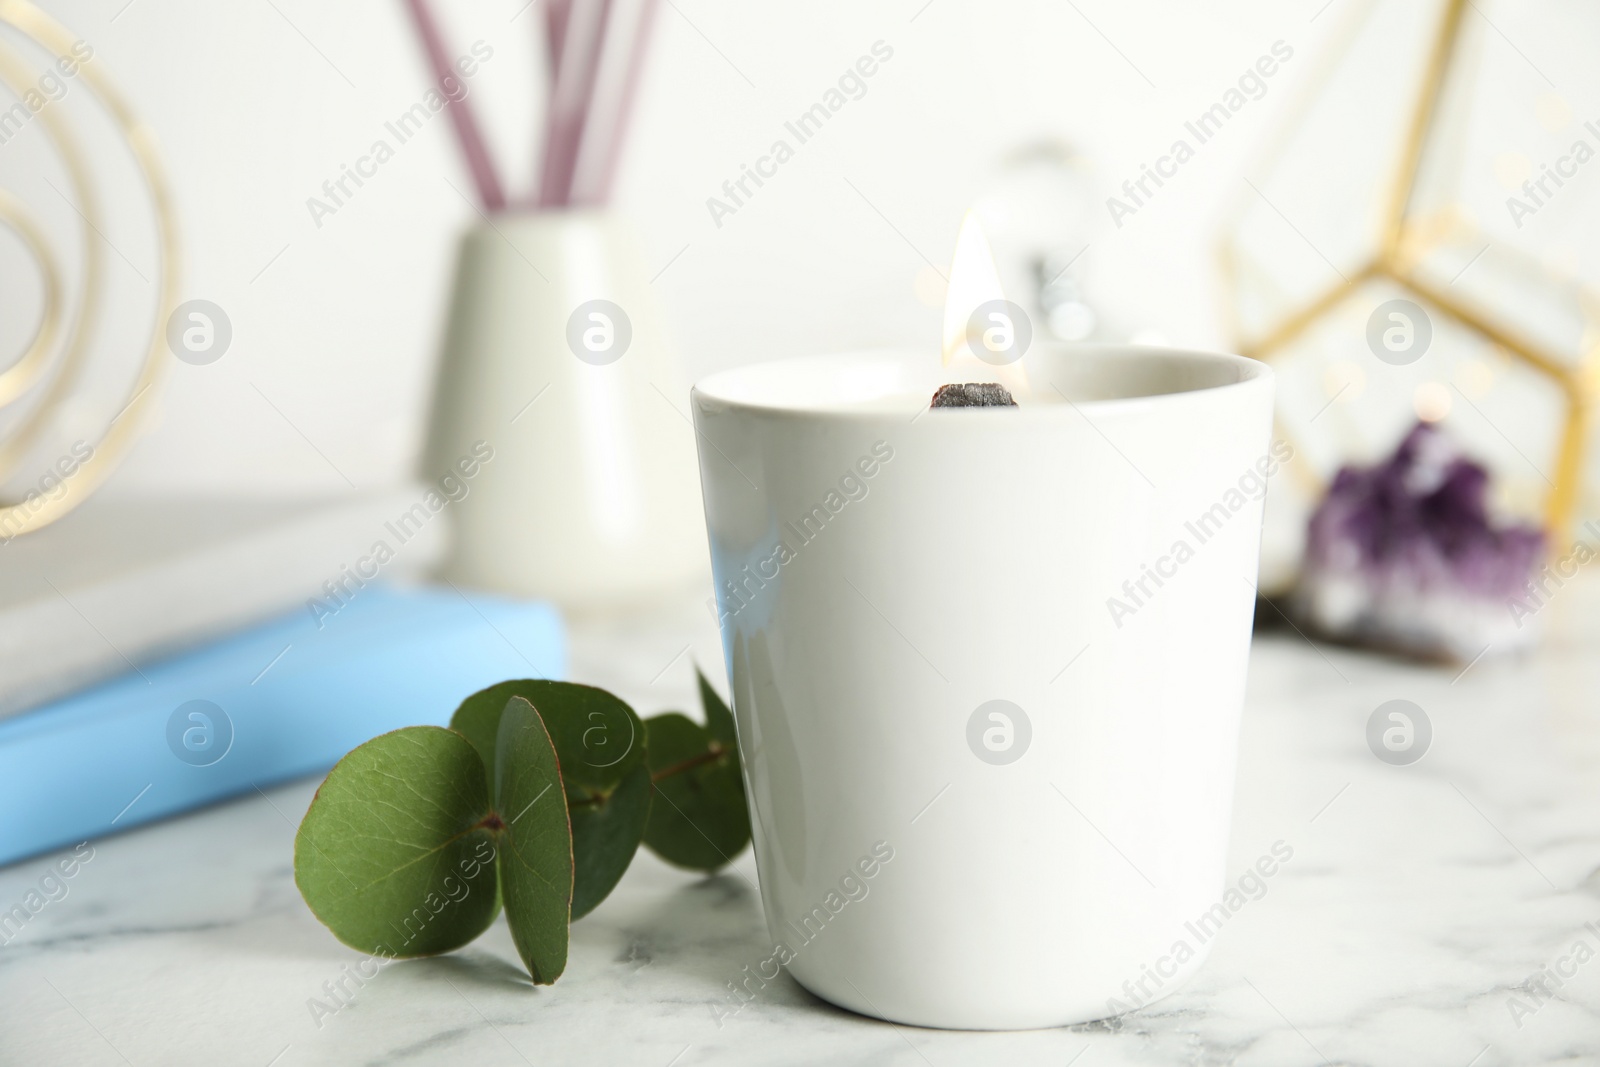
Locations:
(120, 582)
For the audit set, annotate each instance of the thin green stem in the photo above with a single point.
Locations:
(716, 752)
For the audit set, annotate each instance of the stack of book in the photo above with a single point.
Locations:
(156, 656)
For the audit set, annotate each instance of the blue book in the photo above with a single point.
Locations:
(282, 700)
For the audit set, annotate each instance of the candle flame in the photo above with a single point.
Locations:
(975, 281)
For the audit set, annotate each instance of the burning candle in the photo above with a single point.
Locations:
(984, 339)
(987, 666)
(985, 335)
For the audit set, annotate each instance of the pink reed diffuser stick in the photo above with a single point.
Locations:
(461, 117)
(596, 176)
(587, 41)
(570, 98)
(556, 13)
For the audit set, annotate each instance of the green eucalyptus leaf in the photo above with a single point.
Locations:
(600, 744)
(606, 831)
(699, 818)
(719, 718)
(395, 855)
(534, 841)
(478, 717)
(598, 738)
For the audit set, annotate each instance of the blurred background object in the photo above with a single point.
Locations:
(1036, 214)
(1419, 289)
(593, 498)
(56, 447)
(118, 612)
(157, 576)
(1403, 556)
(564, 376)
(277, 701)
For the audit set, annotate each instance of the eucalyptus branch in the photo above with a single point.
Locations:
(520, 806)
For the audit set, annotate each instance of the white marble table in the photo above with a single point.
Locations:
(1417, 901)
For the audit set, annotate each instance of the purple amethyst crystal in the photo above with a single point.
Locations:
(1404, 555)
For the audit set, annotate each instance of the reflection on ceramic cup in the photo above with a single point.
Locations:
(1399, 332)
(199, 332)
(769, 749)
(1399, 732)
(998, 732)
(599, 332)
(999, 332)
(199, 733)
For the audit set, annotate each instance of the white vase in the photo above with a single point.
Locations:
(589, 496)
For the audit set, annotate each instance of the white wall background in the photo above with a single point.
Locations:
(256, 102)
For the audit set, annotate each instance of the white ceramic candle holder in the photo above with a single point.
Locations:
(987, 667)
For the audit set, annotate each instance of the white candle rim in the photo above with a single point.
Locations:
(768, 389)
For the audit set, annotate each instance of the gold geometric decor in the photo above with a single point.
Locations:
(1418, 239)
(36, 386)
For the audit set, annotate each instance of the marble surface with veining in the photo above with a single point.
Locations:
(1422, 907)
